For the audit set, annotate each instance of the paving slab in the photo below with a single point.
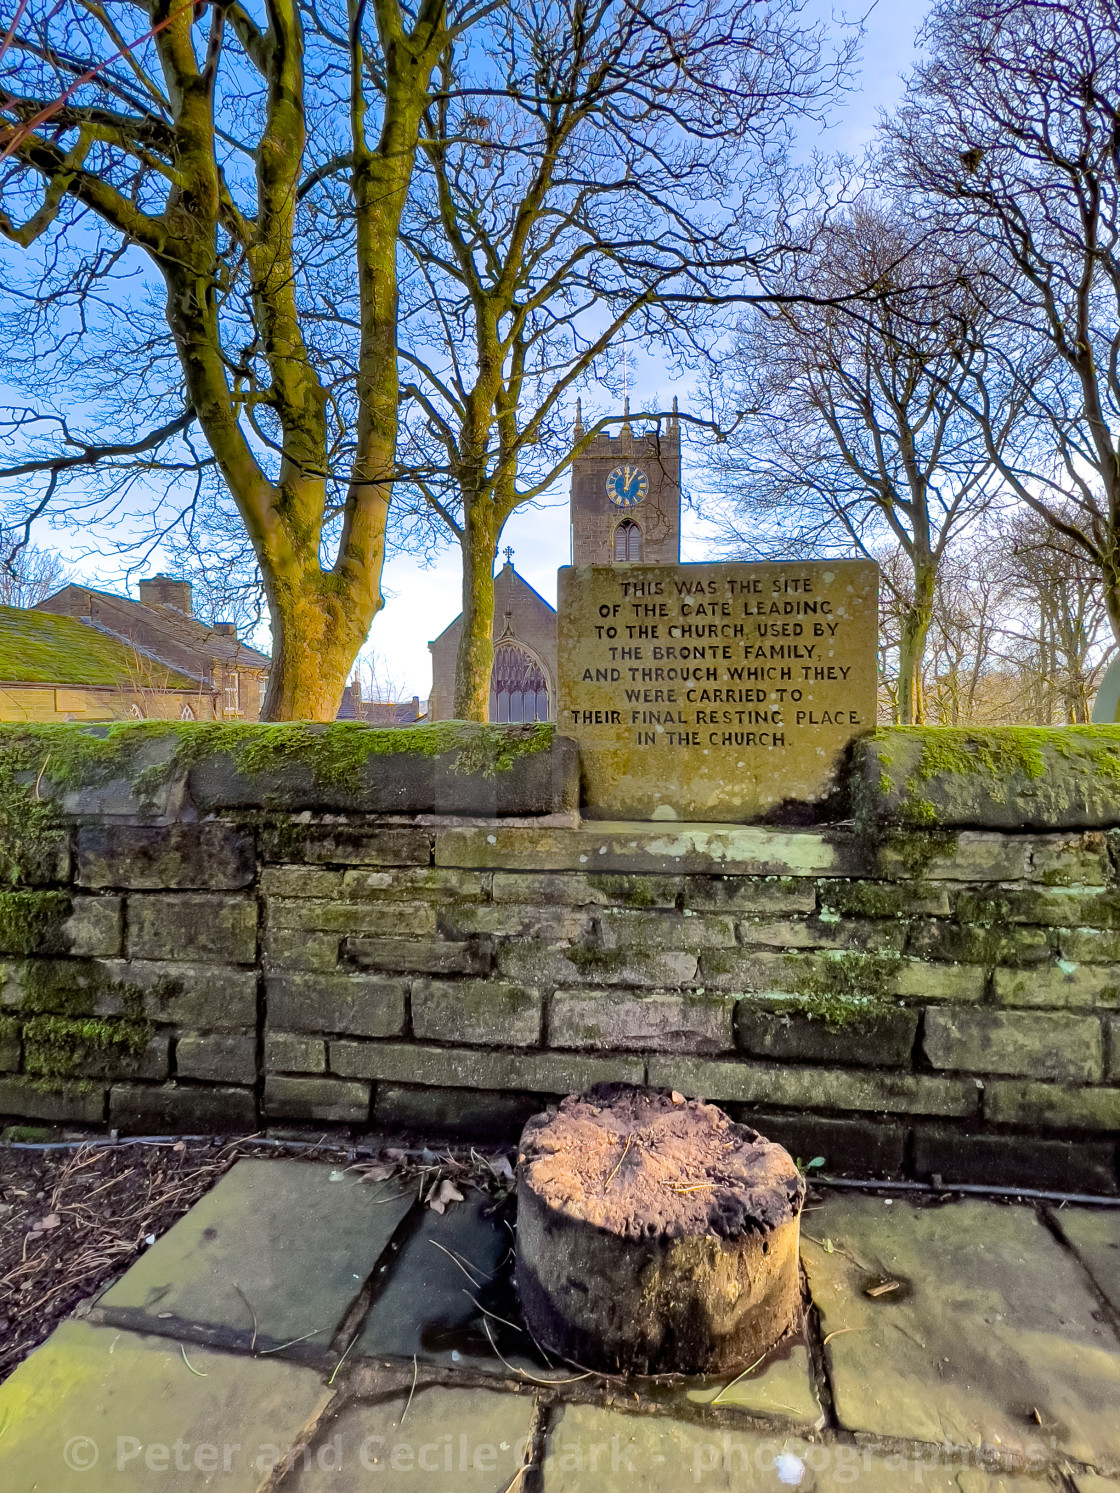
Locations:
(590, 1450)
(780, 1387)
(96, 1408)
(988, 1337)
(449, 1441)
(1094, 1236)
(449, 1298)
(287, 1243)
(1092, 1482)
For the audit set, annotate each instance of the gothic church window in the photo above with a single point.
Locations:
(628, 542)
(518, 688)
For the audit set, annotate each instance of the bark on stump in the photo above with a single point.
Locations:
(655, 1235)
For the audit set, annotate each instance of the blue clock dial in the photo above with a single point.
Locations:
(627, 486)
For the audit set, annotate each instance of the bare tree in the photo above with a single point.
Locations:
(855, 440)
(617, 168)
(195, 138)
(1008, 146)
(29, 574)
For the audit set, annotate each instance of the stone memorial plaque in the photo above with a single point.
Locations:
(714, 692)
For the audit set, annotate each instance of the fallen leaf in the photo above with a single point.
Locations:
(828, 1246)
(501, 1168)
(446, 1192)
(377, 1171)
(677, 1098)
(42, 1225)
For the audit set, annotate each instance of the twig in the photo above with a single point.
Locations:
(503, 1320)
(736, 1380)
(190, 1365)
(292, 1344)
(342, 1360)
(545, 1383)
(839, 1332)
(477, 1284)
(252, 1313)
(412, 1391)
(621, 1159)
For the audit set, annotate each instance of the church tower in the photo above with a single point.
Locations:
(626, 496)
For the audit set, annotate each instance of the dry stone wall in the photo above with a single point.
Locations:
(941, 1004)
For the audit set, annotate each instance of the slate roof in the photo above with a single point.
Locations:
(40, 648)
(161, 633)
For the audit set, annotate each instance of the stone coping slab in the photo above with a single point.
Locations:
(590, 1450)
(987, 1334)
(276, 1252)
(1094, 1235)
(436, 1441)
(781, 1387)
(95, 1409)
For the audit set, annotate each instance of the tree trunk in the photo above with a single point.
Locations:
(912, 645)
(475, 657)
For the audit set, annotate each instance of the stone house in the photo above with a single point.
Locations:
(150, 658)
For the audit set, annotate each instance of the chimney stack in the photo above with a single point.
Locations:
(166, 591)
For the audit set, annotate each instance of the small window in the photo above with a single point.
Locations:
(136, 713)
(233, 694)
(627, 542)
(186, 714)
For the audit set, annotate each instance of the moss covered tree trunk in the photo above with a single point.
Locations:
(474, 659)
(912, 645)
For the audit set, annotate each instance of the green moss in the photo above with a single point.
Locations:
(44, 648)
(28, 1134)
(843, 989)
(630, 891)
(76, 988)
(30, 921)
(59, 1046)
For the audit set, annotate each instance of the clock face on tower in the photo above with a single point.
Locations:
(627, 486)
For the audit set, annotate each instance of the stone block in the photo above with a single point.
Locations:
(417, 884)
(451, 768)
(920, 855)
(483, 1114)
(476, 1011)
(1030, 1044)
(422, 957)
(537, 964)
(1059, 984)
(993, 778)
(770, 896)
(358, 1005)
(858, 1148)
(324, 1100)
(287, 948)
(915, 980)
(1001, 1160)
(114, 1063)
(1009, 1101)
(285, 1052)
(95, 927)
(518, 920)
(817, 1088)
(79, 1103)
(470, 1068)
(1088, 945)
(1050, 907)
(204, 857)
(581, 889)
(884, 899)
(856, 934)
(179, 1109)
(310, 916)
(640, 1020)
(968, 943)
(641, 849)
(625, 928)
(1071, 860)
(332, 846)
(881, 1039)
(770, 972)
(219, 1057)
(301, 881)
(187, 995)
(194, 926)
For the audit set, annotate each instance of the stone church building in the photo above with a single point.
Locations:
(625, 508)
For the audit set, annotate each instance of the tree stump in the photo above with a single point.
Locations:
(655, 1235)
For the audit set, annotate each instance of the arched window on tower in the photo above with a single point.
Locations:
(628, 541)
(518, 688)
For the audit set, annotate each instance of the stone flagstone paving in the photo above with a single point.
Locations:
(991, 1362)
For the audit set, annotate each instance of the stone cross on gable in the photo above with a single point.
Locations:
(508, 552)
